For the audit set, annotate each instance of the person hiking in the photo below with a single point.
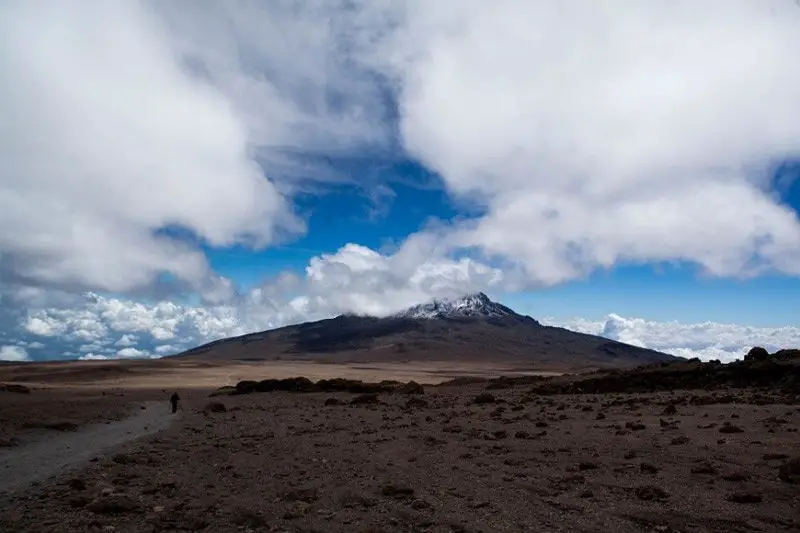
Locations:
(174, 399)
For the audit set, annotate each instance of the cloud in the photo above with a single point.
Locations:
(637, 132)
(355, 279)
(707, 340)
(597, 134)
(136, 147)
(13, 353)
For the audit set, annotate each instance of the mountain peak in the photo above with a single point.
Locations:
(470, 305)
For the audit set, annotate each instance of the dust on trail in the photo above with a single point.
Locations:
(61, 452)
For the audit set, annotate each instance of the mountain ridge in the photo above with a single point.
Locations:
(470, 328)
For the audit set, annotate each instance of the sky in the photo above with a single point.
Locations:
(172, 173)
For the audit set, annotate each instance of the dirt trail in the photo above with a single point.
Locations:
(42, 459)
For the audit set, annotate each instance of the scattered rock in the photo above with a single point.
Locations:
(677, 441)
(630, 454)
(215, 407)
(790, 471)
(635, 426)
(76, 484)
(333, 401)
(416, 402)
(397, 491)
(727, 427)
(704, 468)
(484, 398)
(774, 456)
(670, 410)
(600, 416)
(736, 477)
(412, 387)
(9, 442)
(648, 468)
(307, 495)
(13, 387)
(363, 399)
(587, 465)
(113, 504)
(651, 493)
(757, 353)
(745, 497)
(521, 435)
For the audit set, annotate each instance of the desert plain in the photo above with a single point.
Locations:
(682, 447)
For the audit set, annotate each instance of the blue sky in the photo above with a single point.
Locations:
(663, 292)
(217, 169)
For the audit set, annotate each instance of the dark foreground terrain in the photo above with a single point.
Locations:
(519, 454)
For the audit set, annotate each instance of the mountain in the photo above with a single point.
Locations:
(471, 329)
(471, 305)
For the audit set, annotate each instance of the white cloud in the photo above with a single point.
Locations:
(13, 353)
(354, 279)
(599, 133)
(127, 353)
(170, 349)
(128, 144)
(707, 340)
(127, 340)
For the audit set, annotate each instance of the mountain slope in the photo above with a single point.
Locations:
(472, 328)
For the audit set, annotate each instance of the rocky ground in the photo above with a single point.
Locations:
(457, 458)
(32, 413)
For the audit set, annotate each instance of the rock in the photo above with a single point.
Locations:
(9, 442)
(521, 435)
(484, 398)
(670, 410)
(412, 387)
(416, 402)
(635, 426)
(397, 491)
(76, 484)
(223, 391)
(363, 399)
(677, 441)
(13, 387)
(704, 468)
(587, 465)
(790, 471)
(736, 477)
(306, 495)
(745, 497)
(80, 501)
(651, 493)
(121, 459)
(113, 504)
(600, 416)
(648, 468)
(757, 353)
(245, 387)
(215, 407)
(727, 427)
(333, 401)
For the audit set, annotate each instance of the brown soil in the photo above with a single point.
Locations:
(441, 462)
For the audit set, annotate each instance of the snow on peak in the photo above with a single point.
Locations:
(471, 305)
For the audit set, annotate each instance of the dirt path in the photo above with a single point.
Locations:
(45, 458)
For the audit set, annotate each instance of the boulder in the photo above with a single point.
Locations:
(412, 387)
